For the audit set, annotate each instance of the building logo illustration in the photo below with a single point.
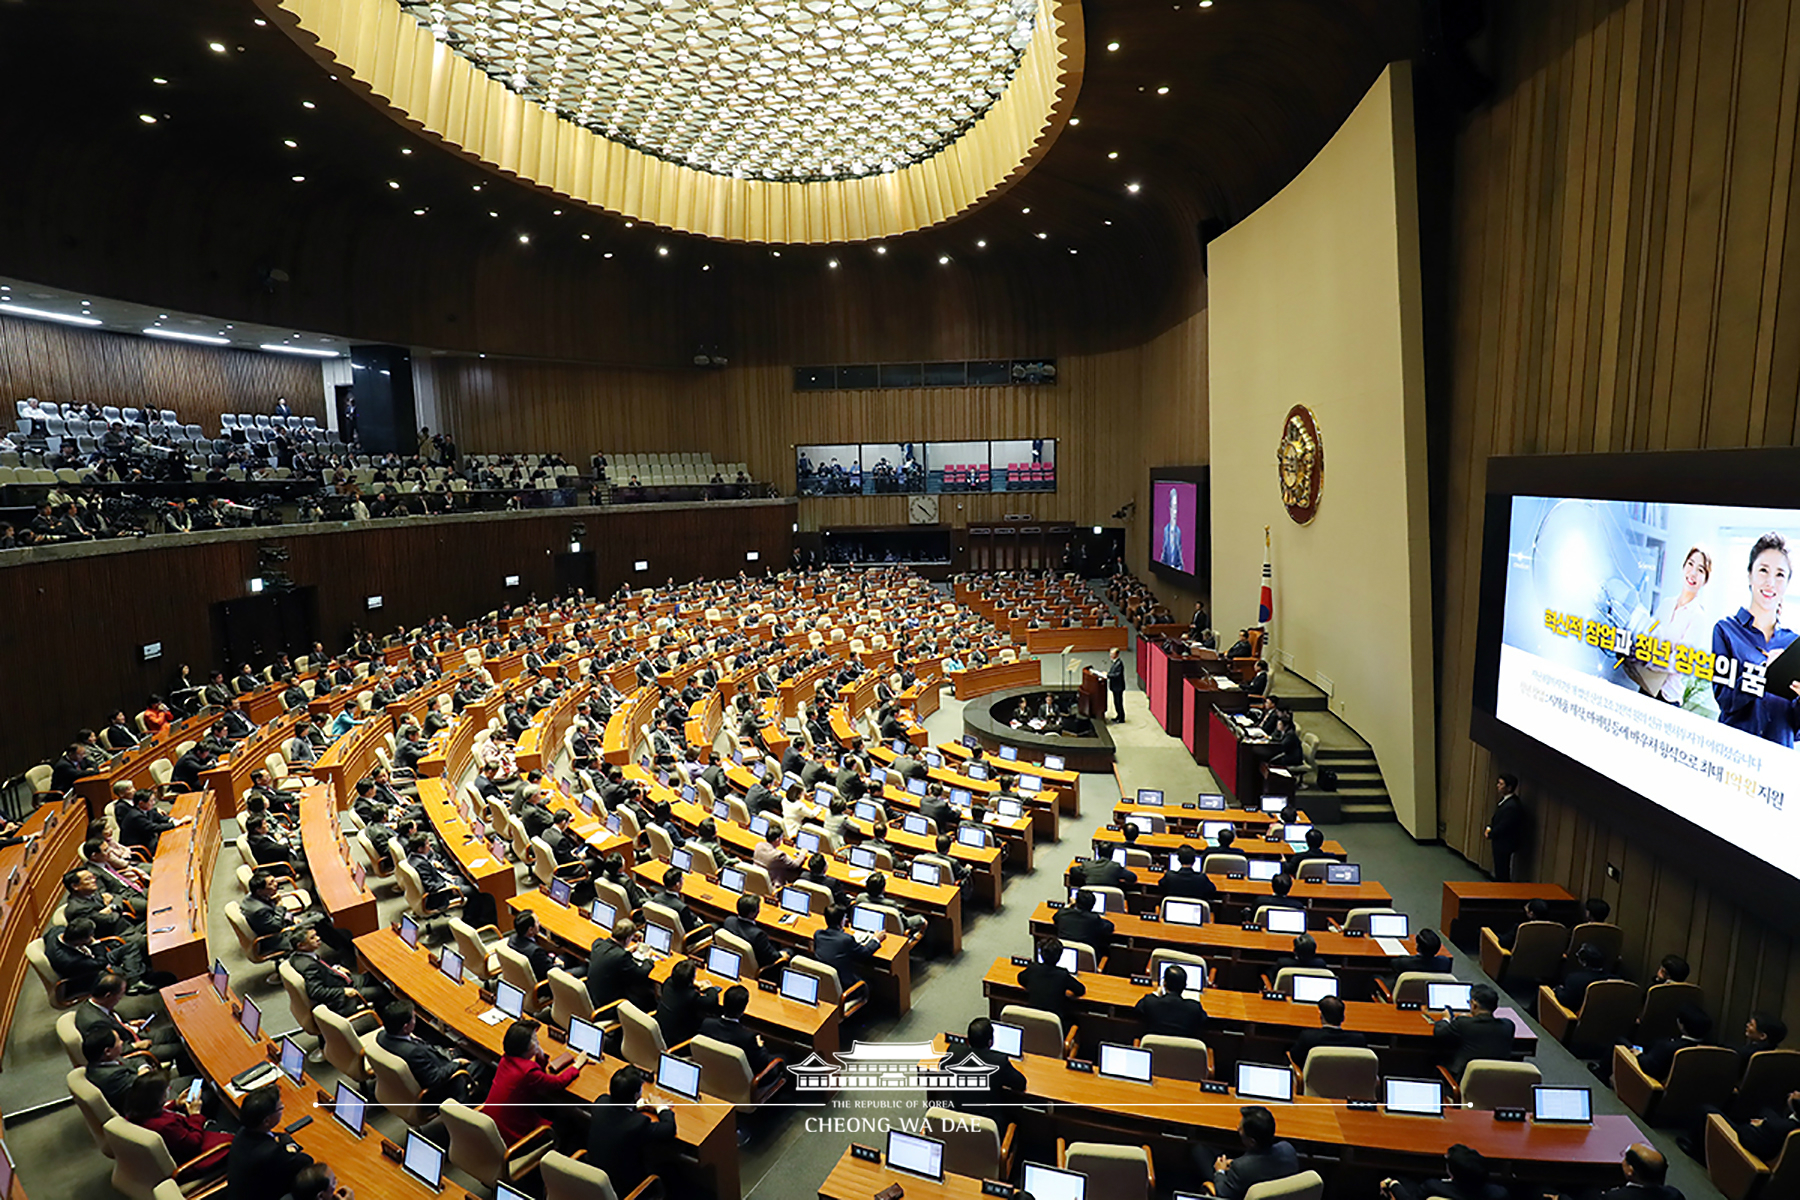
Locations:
(898, 1066)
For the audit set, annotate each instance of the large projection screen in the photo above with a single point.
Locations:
(1635, 635)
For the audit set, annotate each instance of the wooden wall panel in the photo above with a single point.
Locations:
(89, 616)
(1624, 277)
(60, 363)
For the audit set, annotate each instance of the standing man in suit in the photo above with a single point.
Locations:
(1115, 681)
(1506, 828)
(1480, 1034)
(1262, 1159)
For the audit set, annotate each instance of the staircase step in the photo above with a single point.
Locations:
(1366, 812)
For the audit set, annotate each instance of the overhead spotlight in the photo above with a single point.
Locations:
(524, 239)
(1133, 188)
(881, 249)
(147, 118)
(662, 252)
(1163, 90)
(290, 143)
(216, 47)
(307, 104)
(394, 183)
(943, 260)
(1112, 45)
(832, 264)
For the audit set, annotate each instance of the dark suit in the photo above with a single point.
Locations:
(1049, 987)
(1104, 872)
(262, 1166)
(1072, 924)
(733, 1033)
(1115, 681)
(618, 1137)
(1008, 1078)
(1765, 1140)
(114, 1079)
(329, 985)
(680, 1011)
(1463, 1039)
(439, 1074)
(757, 936)
(1448, 1189)
(1171, 1016)
(1187, 883)
(1506, 830)
(845, 952)
(1658, 1058)
(1324, 1035)
(142, 827)
(1250, 1168)
(1574, 987)
(614, 973)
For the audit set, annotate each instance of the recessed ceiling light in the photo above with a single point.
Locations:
(524, 239)
(1026, 209)
(475, 188)
(162, 316)
(1205, 3)
(231, 327)
(1072, 250)
(881, 249)
(290, 143)
(187, 337)
(629, 224)
(418, 212)
(1074, 120)
(832, 264)
(406, 149)
(1112, 45)
(159, 80)
(608, 254)
(216, 47)
(556, 212)
(260, 22)
(1163, 90)
(299, 178)
(492, 213)
(67, 318)
(394, 183)
(706, 267)
(662, 251)
(943, 260)
(1042, 236)
(981, 242)
(586, 236)
(306, 350)
(1106, 222)
(146, 118)
(1133, 188)
(307, 104)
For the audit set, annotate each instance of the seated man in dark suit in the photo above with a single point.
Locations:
(1104, 872)
(1331, 1032)
(728, 1027)
(1429, 955)
(523, 941)
(77, 958)
(1280, 893)
(616, 969)
(1764, 1134)
(621, 1131)
(1480, 1034)
(744, 925)
(1006, 1076)
(100, 1011)
(343, 992)
(1763, 1031)
(682, 1006)
(1305, 954)
(1169, 1013)
(441, 1075)
(1315, 849)
(1590, 967)
(142, 823)
(1263, 1157)
(267, 849)
(1078, 922)
(1467, 1179)
(843, 950)
(113, 915)
(263, 1161)
(1645, 1172)
(1186, 881)
(670, 898)
(1535, 910)
(1048, 985)
(1692, 1028)
(112, 1074)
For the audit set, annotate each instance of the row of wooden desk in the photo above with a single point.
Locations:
(30, 889)
(180, 886)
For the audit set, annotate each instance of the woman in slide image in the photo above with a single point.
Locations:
(1754, 635)
(1684, 623)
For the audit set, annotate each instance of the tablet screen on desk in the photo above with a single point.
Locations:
(451, 964)
(1121, 855)
(1285, 920)
(1296, 833)
(293, 1060)
(1453, 997)
(584, 1037)
(721, 811)
(798, 985)
(976, 771)
(796, 900)
(1124, 1062)
(1264, 869)
(1009, 753)
(960, 797)
(721, 961)
(1184, 912)
(1009, 1039)
(424, 1161)
(915, 824)
(221, 980)
(560, 891)
(505, 1191)
(1048, 1183)
(863, 858)
(682, 859)
(1274, 804)
(602, 914)
(865, 919)
(897, 746)
(1264, 1082)
(250, 1020)
(972, 835)
(759, 824)
(1194, 973)
(916, 1155)
(1144, 824)
(1053, 762)
(916, 786)
(1387, 925)
(348, 1107)
(1070, 960)
(1030, 784)
(1211, 830)
(509, 999)
(926, 873)
(1012, 810)
(867, 810)
(659, 938)
(1310, 989)
(1150, 796)
(1415, 1097)
(1211, 801)
(1562, 1105)
(1343, 873)
(1099, 897)
(732, 879)
(933, 759)
(679, 1076)
(409, 932)
(807, 840)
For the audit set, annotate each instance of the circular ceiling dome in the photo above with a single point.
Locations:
(788, 90)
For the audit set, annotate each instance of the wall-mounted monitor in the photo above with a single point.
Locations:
(1178, 524)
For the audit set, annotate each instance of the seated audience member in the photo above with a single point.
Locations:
(1263, 1157)
(267, 916)
(79, 958)
(745, 925)
(443, 1076)
(1763, 1031)
(1590, 967)
(264, 1161)
(1186, 881)
(1005, 1078)
(622, 1131)
(100, 1011)
(1645, 1171)
(875, 892)
(1466, 1178)
(109, 1069)
(1428, 955)
(1692, 1028)
(1535, 910)
(782, 866)
(844, 951)
(1078, 922)
(1764, 1134)
(728, 1027)
(343, 992)
(191, 1142)
(1478, 1034)
(1331, 1032)
(616, 971)
(1170, 1013)
(142, 823)
(1672, 969)
(269, 850)
(526, 1095)
(113, 915)
(1315, 849)
(1048, 985)
(682, 1005)
(1104, 872)
(526, 941)
(319, 1182)
(1279, 896)
(1305, 954)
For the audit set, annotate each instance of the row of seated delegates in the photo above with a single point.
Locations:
(1133, 597)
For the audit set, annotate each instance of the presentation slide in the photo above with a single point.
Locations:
(1173, 506)
(1648, 642)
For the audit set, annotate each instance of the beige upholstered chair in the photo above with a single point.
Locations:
(1177, 1057)
(1489, 1083)
(725, 1073)
(477, 948)
(831, 987)
(1307, 1185)
(1114, 1172)
(1284, 978)
(1699, 1077)
(1661, 1002)
(1043, 1031)
(1341, 1073)
(974, 1145)
(1536, 954)
(568, 1178)
(1740, 1174)
(141, 1161)
(341, 1040)
(642, 1045)
(395, 1086)
(477, 1149)
(94, 1107)
(1415, 986)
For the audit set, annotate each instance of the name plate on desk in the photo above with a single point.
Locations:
(1252, 927)
(1234, 874)
(1057, 903)
(997, 1187)
(1076, 1064)
(1355, 933)
(1019, 960)
(1142, 980)
(955, 1039)
(1409, 1005)
(768, 985)
(1189, 804)
(1215, 1087)
(1360, 1105)
(389, 1150)
(1151, 917)
(865, 1153)
(1274, 995)
(1112, 828)
(1515, 1115)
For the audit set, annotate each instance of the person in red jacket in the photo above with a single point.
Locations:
(526, 1095)
(183, 1130)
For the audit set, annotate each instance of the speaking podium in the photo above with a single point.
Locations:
(1090, 697)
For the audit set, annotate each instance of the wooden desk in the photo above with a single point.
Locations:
(706, 1129)
(1334, 900)
(983, 862)
(351, 758)
(474, 857)
(180, 880)
(1192, 818)
(1086, 639)
(229, 781)
(220, 1050)
(1245, 1025)
(1471, 904)
(31, 888)
(854, 1179)
(450, 750)
(995, 677)
(1044, 807)
(1168, 843)
(1166, 1116)
(811, 1025)
(1066, 784)
(1134, 938)
(351, 905)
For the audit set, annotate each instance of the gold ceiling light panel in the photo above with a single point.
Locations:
(779, 121)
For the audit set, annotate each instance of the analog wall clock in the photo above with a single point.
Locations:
(922, 510)
(1300, 464)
